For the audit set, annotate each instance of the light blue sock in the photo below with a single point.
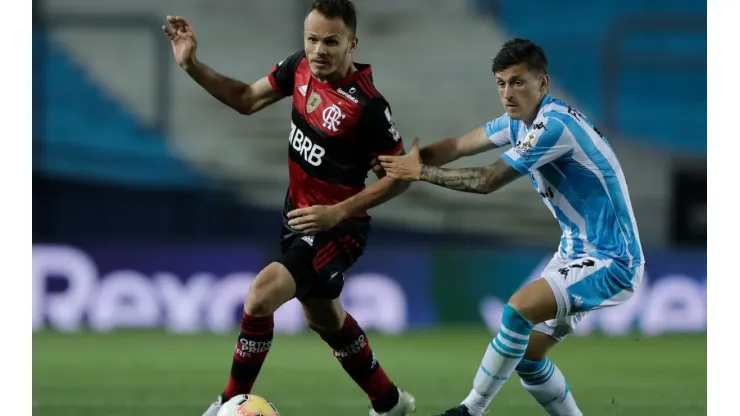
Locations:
(500, 360)
(546, 383)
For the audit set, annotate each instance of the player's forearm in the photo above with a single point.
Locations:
(379, 192)
(439, 153)
(482, 180)
(227, 90)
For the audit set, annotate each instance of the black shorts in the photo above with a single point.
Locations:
(318, 261)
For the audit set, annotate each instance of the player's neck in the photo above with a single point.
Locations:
(529, 120)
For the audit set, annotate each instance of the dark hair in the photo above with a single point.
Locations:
(343, 9)
(517, 51)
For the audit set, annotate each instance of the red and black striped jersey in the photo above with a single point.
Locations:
(336, 130)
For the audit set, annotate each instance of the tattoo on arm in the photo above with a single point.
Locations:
(481, 180)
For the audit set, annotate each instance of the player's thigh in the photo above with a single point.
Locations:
(323, 315)
(583, 285)
(590, 283)
(273, 286)
(318, 262)
(536, 301)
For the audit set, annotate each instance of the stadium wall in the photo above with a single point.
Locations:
(200, 288)
(134, 120)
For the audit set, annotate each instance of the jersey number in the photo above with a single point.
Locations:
(548, 193)
(578, 116)
(564, 271)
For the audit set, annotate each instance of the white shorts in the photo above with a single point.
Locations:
(583, 285)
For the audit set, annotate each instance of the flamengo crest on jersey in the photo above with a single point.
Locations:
(336, 130)
(578, 176)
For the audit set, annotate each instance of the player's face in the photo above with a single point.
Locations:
(329, 44)
(521, 91)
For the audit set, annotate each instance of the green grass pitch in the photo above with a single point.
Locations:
(153, 373)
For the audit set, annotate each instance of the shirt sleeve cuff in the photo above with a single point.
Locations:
(392, 152)
(275, 87)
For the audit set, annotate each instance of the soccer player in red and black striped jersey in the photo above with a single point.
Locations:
(339, 124)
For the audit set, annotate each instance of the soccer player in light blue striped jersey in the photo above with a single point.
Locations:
(599, 262)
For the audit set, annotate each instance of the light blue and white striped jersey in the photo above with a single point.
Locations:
(579, 178)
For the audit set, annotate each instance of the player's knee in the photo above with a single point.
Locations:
(536, 302)
(272, 287)
(258, 304)
(324, 316)
(523, 305)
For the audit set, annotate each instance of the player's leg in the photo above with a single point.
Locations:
(352, 349)
(272, 287)
(561, 292)
(581, 286)
(541, 377)
(335, 252)
(532, 304)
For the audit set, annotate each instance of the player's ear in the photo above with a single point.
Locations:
(353, 44)
(544, 81)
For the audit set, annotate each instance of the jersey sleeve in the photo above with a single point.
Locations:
(380, 132)
(282, 75)
(546, 142)
(498, 131)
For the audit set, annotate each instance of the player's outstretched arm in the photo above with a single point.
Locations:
(482, 180)
(242, 97)
(448, 150)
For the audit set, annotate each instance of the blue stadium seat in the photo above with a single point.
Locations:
(87, 135)
(650, 96)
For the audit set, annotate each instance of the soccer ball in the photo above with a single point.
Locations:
(247, 405)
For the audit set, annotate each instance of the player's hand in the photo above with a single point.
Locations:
(377, 168)
(404, 168)
(314, 219)
(181, 35)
